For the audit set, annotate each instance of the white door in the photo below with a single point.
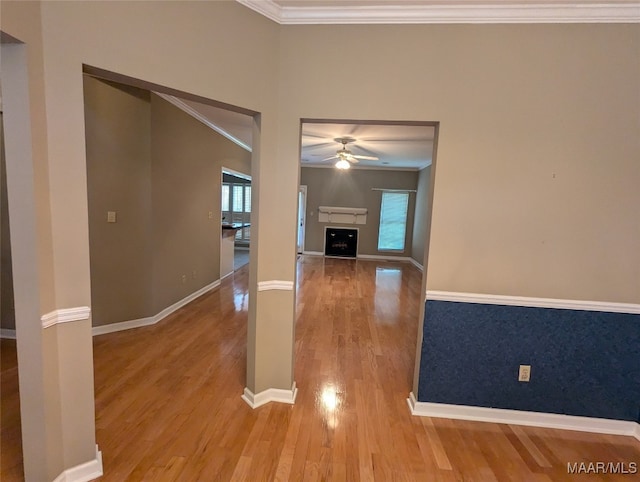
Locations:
(302, 218)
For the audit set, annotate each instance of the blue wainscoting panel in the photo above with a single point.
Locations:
(584, 363)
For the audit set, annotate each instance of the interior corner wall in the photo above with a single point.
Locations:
(7, 309)
(118, 138)
(187, 161)
(422, 213)
(353, 188)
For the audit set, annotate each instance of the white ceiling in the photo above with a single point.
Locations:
(395, 146)
(443, 11)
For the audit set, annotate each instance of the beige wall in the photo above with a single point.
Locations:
(186, 177)
(422, 213)
(7, 310)
(537, 173)
(118, 134)
(353, 188)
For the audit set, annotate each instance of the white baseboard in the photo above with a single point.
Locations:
(380, 257)
(383, 257)
(152, 320)
(123, 325)
(416, 264)
(520, 417)
(84, 472)
(7, 333)
(560, 304)
(270, 395)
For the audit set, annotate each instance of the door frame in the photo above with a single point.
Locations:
(302, 220)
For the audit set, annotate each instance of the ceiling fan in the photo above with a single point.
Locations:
(345, 157)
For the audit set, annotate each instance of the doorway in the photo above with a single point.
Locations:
(236, 220)
(352, 171)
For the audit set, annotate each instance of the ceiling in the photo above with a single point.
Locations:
(446, 11)
(395, 146)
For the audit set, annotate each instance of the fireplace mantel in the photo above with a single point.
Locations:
(343, 215)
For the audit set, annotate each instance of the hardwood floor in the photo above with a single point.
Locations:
(10, 431)
(168, 404)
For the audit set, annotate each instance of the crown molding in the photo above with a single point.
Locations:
(535, 12)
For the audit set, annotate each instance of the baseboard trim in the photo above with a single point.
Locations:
(270, 395)
(383, 257)
(313, 253)
(84, 472)
(152, 320)
(416, 264)
(521, 417)
(486, 299)
(7, 333)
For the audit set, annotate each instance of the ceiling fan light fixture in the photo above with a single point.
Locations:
(343, 164)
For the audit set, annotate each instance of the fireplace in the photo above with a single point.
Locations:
(341, 242)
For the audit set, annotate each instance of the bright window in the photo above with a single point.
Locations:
(247, 199)
(225, 197)
(237, 198)
(393, 221)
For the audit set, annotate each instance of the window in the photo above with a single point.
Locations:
(393, 221)
(236, 207)
(247, 199)
(225, 197)
(237, 197)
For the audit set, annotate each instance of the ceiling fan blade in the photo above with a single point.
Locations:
(353, 160)
(364, 150)
(315, 136)
(366, 158)
(328, 158)
(405, 139)
(317, 145)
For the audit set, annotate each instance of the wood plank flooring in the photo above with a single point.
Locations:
(168, 404)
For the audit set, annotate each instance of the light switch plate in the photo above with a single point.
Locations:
(111, 216)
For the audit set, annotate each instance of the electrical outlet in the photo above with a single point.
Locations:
(524, 375)
(111, 216)
(184, 278)
(210, 214)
